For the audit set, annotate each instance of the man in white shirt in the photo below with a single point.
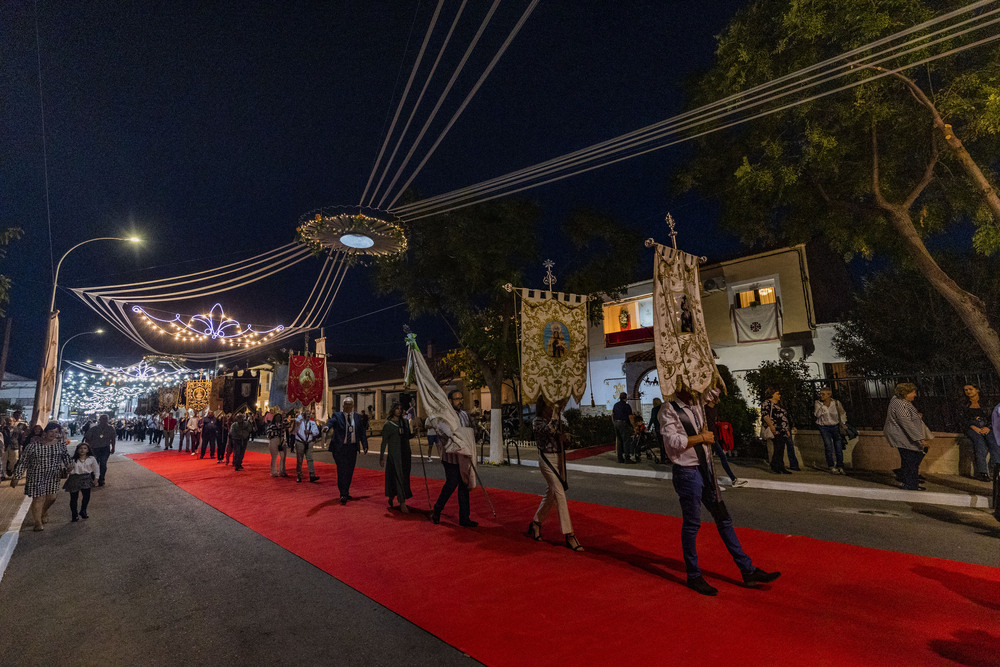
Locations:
(306, 431)
(688, 445)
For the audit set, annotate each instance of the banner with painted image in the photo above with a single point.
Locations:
(684, 359)
(306, 379)
(553, 345)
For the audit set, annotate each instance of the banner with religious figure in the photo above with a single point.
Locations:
(553, 345)
(306, 379)
(756, 324)
(684, 358)
(196, 394)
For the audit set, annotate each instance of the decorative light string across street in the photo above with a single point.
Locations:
(214, 325)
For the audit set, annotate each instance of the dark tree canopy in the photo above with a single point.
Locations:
(899, 324)
(874, 169)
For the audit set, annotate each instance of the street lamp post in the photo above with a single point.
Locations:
(57, 399)
(48, 368)
(55, 279)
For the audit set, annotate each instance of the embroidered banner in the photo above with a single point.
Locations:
(196, 394)
(755, 324)
(244, 389)
(217, 395)
(306, 379)
(553, 345)
(684, 358)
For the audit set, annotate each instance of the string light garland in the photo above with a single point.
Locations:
(356, 235)
(214, 325)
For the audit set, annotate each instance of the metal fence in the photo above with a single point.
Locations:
(940, 397)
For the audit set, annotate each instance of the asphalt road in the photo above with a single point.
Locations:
(156, 577)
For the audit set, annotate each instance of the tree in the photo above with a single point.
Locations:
(455, 266)
(791, 378)
(899, 325)
(606, 255)
(456, 263)
(7, 236)
(876, 169)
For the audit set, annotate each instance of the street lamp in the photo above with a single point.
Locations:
(52, 333)
(57, 399)
(55, 280)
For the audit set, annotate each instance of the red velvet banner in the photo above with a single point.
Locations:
(306, 379)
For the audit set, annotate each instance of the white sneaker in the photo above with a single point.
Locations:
(721, 488)
(737, 483)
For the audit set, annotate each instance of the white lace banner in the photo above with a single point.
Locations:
(684, 358)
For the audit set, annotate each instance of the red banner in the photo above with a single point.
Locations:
(306, 379)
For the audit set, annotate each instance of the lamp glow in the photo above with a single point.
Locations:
(359, 241)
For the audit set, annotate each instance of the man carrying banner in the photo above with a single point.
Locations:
(453, 465)
(688, 443)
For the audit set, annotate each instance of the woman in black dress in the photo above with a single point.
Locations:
(396, 439)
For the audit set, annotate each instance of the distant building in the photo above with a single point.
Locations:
(19, 391)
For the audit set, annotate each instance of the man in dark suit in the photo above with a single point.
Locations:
(347, 438)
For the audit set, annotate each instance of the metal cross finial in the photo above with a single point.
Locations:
(550, 278)
(673, 231)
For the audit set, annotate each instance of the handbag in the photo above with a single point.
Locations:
(850, 433)
(766, 433)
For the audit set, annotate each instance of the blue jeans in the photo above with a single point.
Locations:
(102, 454)
(691, 489)
(832, 445)
(981, 444)
(723, 459)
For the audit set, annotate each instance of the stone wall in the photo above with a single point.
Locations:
(950, 453)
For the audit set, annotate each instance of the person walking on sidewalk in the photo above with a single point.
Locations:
(306, 432)
(552, 463)
(102, 439)
(18, 439)
(396, 439)
(239, 435)
(83, 472)
(712, 421)
(688, 441)
(832, 421)
(624, 420)
(347, 439)
(43, 460)
(779, 425)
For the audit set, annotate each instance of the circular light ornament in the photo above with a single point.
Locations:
(355, 234)
(358, 241)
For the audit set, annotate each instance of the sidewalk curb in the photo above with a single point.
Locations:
(892, 495)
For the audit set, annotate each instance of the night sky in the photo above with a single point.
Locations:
(208, 129)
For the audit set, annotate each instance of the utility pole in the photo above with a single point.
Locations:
(6, 348)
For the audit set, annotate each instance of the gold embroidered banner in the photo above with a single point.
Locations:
(553, 345)
(196, 394)
(684, 358)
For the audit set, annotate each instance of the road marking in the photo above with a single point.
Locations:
(895, 495)
(8, 541)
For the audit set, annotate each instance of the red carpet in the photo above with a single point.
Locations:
(506, 600)
(587, 452)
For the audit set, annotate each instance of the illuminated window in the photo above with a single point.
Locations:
(757, 296)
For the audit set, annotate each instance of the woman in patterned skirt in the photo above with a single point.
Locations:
(44, 461)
